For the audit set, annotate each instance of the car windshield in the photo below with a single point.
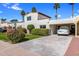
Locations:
(63, 27)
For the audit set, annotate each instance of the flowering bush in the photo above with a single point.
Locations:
(15, 35)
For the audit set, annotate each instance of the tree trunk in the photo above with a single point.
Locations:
(23, 18)
(56, 15)
(15, 25)
(72, 10)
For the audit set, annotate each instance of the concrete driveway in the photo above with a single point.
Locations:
(46, 46)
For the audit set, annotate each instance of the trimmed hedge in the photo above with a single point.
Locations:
(42, 32)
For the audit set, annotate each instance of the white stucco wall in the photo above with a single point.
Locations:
(35, 21)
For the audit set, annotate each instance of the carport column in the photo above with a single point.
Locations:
(51, 29)
(75, 29)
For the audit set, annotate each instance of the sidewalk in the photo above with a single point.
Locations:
(73, 49)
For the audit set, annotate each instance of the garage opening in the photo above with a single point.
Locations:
(72, 31)
(70, 26)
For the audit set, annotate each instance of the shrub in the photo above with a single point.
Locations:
(15, 36)
(30, 27)
(42, 32)
(22, 29)
(9, 29)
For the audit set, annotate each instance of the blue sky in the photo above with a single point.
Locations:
(12, 10)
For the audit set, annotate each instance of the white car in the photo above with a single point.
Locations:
(63, 30)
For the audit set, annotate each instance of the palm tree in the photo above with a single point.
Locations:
(23, 14)
(56, 6)
(34, 9)
(14, 21)
(72, 4)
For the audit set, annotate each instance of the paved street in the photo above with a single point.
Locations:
(46, 46)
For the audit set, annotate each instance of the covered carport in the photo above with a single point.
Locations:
(55, 27)
(72, 23)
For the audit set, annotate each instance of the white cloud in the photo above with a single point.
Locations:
(16, 7)
(59, 16)
(6, 4)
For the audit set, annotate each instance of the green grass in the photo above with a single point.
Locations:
(3, 36)
(30, 36)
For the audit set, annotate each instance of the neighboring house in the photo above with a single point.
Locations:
(4, 24)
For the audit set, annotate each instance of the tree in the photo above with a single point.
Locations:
(72, 4)
(3, 19)
(34, 9)
(14, 21)
(23, 14)
(56, 6)
(30, 27)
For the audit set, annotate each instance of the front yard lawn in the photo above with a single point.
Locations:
(30, 36)
(3, 36)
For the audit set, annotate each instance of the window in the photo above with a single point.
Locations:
(42, 26)
(29, 18)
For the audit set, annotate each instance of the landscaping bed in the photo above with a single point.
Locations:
(19, 34)
(3, 36)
